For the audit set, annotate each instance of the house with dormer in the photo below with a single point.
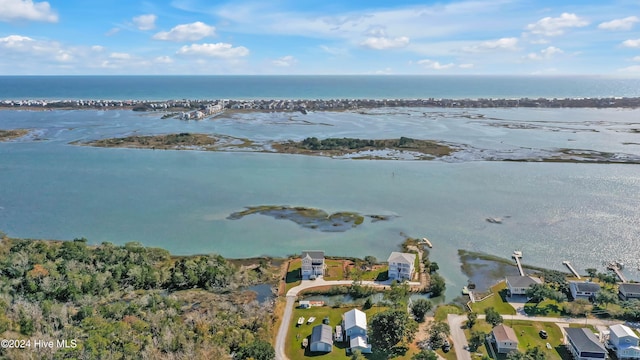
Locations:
(401, 266)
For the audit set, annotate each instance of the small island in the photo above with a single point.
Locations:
(6, 135)
(310, 218)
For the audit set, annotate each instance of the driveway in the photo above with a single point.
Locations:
(460, 343)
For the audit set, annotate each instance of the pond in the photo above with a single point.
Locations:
(264, 292)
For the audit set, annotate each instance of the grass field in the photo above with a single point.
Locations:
(497, 301)
(544, 308)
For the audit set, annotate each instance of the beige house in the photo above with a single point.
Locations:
(505, 339)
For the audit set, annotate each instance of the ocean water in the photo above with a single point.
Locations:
(180, 200)
(311, 87)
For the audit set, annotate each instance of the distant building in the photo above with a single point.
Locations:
(583, 289)
(321, 339)
(401, 265)
(304, 304)
(624, 342)
(312, 264)
(628, 291)
(584, 345)
(505, 339)
(518, 285)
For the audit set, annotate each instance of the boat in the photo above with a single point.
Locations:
(305, 342)
(426, 241)
(465, 290)
(517, 253)
(494, 220)
(311, 319)
(300, 320)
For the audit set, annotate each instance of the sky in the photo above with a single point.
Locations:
(192, 37)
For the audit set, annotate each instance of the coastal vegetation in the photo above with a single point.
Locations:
(129, 301)
(12, 134)
(310, 218)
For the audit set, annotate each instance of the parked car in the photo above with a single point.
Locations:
(543, 334)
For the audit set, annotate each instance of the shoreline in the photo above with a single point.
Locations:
(302, 105)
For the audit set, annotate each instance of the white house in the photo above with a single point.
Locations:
(401, 265)
(583, 289)
(354, 323)
(321, 339)
(360, 343)
(584, 345)
(628, 291)
(312, 264)
(518, 285)
(505, 339)
(624, 342)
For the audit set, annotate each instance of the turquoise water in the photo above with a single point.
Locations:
(179, 200)
(311, 87)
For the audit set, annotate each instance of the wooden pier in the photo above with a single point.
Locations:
(616, 269)
(570, 267)
(518, 255)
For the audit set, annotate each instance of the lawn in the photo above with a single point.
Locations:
(379, 272)
(528, 337)
(443, 310)
(334, 270)
(544, 308)
(293, 274)
(497, 301)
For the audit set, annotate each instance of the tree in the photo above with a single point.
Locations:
(492, 316)
(476, 340)
(591, 272)
(516, 355)
(388, 328)
(472, 318)
(606, 297)
(437, 286)
(398, 293)
(420, 308)
(438, 334)
(370, 260)
(357, 355)
(535, 353)
(433, 267)
(537, 292)
(257, 350)
(425, 355)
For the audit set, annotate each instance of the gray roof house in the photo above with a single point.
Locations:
(518, 285)
(584, 345)
(312, 264)
(321, 338)
(583, 289)
(628, 291)
(505, 339)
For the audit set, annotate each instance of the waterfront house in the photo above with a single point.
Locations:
(321, 339)
(360, 343)
(628, 291)
(518, 285)
(583, 289)
(584, 345)
(354, 323)
(624, 342)
(505, 339)
(312, 264)
(401, 265)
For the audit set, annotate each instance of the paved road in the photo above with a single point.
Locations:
(460, 343)
(291, 300)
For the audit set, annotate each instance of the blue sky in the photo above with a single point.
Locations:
(506, 37)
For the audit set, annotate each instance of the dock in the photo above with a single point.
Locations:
(570, 267)
(518, 255)
(615, 267)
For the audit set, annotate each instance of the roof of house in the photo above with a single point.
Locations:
(585, 286)
(353, 318)
(622, 331)
(398, 257)
(322, 333)
(313, 254)
(629, 287)
(358, 341)
(504, 333)
(584, 340)
(522, 281)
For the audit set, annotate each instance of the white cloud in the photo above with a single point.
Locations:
(163, 60)
(219, 50)
(636, 58)
(285, 61)
(16, 46)
(335, 51)
(382, 43)
(145, 22)
(549, 26)
(619, 24)
(435, 65)
(547, 53)
(26, 10)
(112, 31)
(15, 41)
(64, 56)
(119, 56)
(631, 69)
(631, 43)
(492, 45)
(97, 48)
(187, 32)
(466, 66)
